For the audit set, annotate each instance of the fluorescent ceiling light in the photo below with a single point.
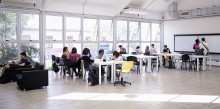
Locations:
(135, 11)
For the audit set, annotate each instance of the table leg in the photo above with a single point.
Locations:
(149, 65)
(160, 58)
(210, 63)
(141, 63)
(100, 74)
(203, 63)
(112, 77)
(114, 72)
(197, 64)
(178, 62)
(157, 65)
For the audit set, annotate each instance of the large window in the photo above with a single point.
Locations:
(54, 27)
(155, 32)
(77, 45)
(8, 52)
(29, 27)
(145, 31)
(73, 28)
(32, 50)
(90, 29)
(121, 30)
(134, 31)
(93, 47)
(52, 49)
(106, 30)
(8, 26)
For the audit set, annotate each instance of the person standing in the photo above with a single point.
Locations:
(204, 45)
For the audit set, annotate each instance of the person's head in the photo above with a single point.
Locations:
(137, 47)
(74, 50)
(203, 39)
(65, 49)
(147, 47)
(165, 46)
(116, 54)
(152, 45)
(85, 51)
(197, 41)
(120, 46)
(101, 52)
(23, 55)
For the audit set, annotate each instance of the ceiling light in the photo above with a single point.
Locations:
(135, 11)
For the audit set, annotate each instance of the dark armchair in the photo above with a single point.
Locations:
(33, 77)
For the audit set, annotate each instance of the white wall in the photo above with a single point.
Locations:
(189, 26)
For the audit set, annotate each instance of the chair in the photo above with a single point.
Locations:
(68, 64)
(185, 59)
(170, 61)
(134, 53)
(85, 68)
(134, 59)
(126, 67)
(32, 78)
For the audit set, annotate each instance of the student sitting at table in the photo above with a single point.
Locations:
(153, 49)
(117, 57)
(101, 56)
(122, 49)
(75, 57)
(165, 50)
(147, 51)
(87, 57)
(15, 65)
(138, 50)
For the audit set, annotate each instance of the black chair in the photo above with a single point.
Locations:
(85, 66)
(68, 64)
(32, 78)
(134, 53)
(136, 62)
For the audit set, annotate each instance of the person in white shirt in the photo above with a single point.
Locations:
(153, 49)
(204, 45)
(138, 50)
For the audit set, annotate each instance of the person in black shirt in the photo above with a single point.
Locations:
(165, 50)
(22, 62)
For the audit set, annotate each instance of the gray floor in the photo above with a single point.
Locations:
(166, 89)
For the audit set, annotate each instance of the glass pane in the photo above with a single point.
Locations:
(122, 30)
(29, 27)
(8, 26)
(90, 29)
(54, 27)
(145, 31)
(77, 45)
(144, 45)
(106, 47)
(8, 52)
(32, 50)
(73, 27)
(132, 47)
(134, 31)
(93, 47)
(124, 45)
(106, 30)
(155, 32)
(52, 49)
(157, 46)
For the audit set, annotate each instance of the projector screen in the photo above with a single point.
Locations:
(185, 42)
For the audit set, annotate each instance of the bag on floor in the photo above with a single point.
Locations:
(93, 78)
(4, 78)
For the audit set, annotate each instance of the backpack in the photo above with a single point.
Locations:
(93, 78)
(55, 67)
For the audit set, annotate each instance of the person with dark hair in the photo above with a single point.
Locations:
(87, 57)
(196, 45)
(15, 65)
(165, 49)
(122, 49)
(204, 45)
(153, 49)
(117, 57)
(101, 54)
(65, 56)
(75, 57)
(147, 50)
(138, 50)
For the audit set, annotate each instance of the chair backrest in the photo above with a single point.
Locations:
(132, 58)
(185, 57)
(39, 66)
(127, 66)
(86, 64)
(68, 62)
(53, 57)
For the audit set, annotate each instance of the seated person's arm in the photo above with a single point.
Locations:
(22, 64)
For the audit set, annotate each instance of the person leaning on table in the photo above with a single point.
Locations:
(122, 49)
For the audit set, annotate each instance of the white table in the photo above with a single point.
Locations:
(204, 61)
(177, 56)
(99, 64)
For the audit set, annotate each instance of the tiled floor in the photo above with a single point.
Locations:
(166, 89)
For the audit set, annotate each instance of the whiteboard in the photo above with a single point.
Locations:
(185, 43)
(213, 43)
